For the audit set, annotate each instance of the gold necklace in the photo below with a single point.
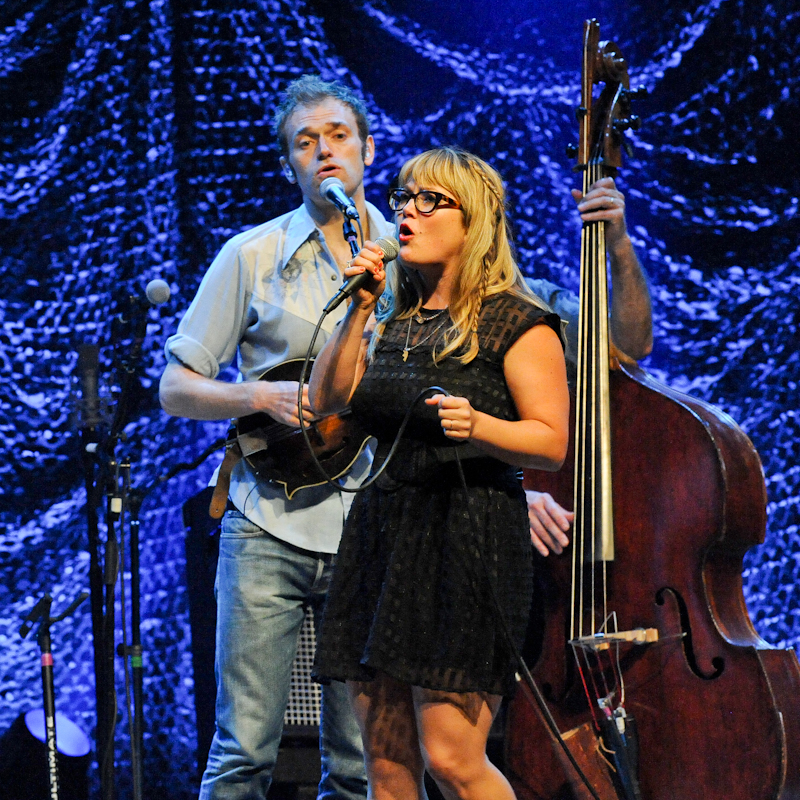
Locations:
(420, 319)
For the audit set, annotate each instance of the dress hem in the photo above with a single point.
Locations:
(367, 672)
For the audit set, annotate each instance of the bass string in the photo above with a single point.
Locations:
(592, 527)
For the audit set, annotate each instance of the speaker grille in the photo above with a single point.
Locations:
(304, 694)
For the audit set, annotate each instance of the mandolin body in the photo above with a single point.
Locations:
(279, 453)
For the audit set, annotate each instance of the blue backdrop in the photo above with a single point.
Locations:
(135, 139)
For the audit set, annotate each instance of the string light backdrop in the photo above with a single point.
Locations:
(136, 138)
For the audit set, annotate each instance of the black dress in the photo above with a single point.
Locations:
(410, 592)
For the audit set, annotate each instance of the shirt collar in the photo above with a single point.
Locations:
(301, 228)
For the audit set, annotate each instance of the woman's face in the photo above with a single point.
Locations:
(433, 239)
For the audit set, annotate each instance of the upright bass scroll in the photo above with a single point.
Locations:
(643, 615)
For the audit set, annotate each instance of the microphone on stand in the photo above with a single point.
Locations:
(156, 293)
(88, 367)
(332, 189)
(390, 247)
(130, 323)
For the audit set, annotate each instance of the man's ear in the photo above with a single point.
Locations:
(288, 172)
(369, 151)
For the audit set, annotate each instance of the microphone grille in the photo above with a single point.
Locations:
(390, 247)
(329, 183)
(88, 357)
(157, 291)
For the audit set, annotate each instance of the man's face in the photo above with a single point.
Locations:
(324, 142)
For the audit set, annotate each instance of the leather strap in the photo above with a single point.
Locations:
(219, 499)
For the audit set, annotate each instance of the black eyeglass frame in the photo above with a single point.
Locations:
(438, 198)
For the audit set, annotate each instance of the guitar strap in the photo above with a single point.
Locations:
(233, 454)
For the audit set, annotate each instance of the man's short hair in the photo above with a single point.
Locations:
(310, 90)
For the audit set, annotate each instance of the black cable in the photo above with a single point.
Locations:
(541, 703)
(500, 617)
(185, 466)
(304, 429)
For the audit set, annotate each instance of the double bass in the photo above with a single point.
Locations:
(645, 658)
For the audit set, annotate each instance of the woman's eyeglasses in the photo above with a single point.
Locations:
(426, 201)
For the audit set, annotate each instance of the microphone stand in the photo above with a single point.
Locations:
(350, 236)
(105, 475)
(90, 446)
(117, 493)
(41, 611)
(134, 650)
(105, 733)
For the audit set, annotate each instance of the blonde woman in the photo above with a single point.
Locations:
(410, 622)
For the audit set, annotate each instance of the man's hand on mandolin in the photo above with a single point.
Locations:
(280, 402)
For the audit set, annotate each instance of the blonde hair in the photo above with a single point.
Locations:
(487, 261)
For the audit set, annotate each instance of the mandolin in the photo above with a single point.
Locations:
(278, 453)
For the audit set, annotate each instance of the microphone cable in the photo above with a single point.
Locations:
(539, 703)
(304, 426)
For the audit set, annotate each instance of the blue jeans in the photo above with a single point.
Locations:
(262, 583)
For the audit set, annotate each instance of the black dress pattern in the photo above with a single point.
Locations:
(410, 594)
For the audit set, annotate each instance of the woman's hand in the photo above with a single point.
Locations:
(369, 259)
(456, 415)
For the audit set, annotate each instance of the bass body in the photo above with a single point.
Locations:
(716, 710)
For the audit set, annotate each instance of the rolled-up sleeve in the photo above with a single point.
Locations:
(565, 303)
(209, 333)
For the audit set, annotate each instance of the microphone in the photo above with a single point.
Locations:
(131, 322)
(332, 189)
(88, 366)
(157, 292)
(390, 247)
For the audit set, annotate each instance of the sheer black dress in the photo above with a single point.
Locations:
(410, 592)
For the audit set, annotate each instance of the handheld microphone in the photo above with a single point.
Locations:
(390, 247)
(332, 189)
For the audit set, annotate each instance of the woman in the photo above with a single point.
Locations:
(410, 622)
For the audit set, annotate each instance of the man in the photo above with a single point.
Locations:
(259, 302)
(631, 330)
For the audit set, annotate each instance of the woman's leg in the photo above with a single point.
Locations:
(453, 730)
(385, 712)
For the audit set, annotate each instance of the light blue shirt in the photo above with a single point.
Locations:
(565, 303)
(259, 302)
